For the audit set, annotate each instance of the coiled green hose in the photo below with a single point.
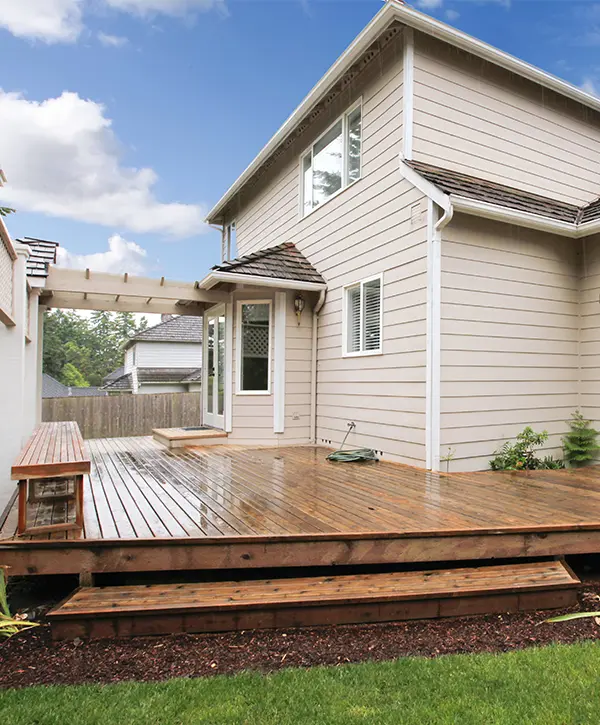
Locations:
(358, 454)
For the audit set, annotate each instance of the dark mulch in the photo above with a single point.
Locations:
(32, 658)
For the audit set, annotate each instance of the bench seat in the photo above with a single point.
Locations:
(51, 466)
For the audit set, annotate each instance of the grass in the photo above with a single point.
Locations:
(557, 685)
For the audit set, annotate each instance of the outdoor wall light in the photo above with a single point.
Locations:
(299, 305)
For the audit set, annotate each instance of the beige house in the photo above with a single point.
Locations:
(438, 199)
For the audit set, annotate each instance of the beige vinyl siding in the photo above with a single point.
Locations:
(269, 213)
(479, 119)
(509, 344)
(298, 353)
(168, 355)
(589, 349)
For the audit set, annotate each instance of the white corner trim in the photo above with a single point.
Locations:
(408, 91)
(433, 337)
(229, 367)
(279, 346)
(213, 278)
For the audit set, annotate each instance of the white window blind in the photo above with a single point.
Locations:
(362, 303)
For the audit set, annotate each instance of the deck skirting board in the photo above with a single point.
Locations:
(146, 555)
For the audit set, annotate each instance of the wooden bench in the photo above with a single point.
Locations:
(50, 469)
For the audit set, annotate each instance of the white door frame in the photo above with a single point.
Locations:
(213, 418)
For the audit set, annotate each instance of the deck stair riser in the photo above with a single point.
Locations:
(105, 612)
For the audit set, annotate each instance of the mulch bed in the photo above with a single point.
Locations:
(31, 658)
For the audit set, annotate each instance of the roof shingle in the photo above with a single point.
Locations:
(42, 255)
(179, 328)
(281, 262)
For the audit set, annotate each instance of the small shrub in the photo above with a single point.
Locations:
(580, 444)
(520, 456)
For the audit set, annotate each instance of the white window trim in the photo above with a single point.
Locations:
(361, 353)
(232, 225)
(344, 118)
(238, 348)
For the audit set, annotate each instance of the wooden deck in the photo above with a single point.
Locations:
(149, 508)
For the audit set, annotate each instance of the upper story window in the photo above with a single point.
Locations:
(362, 319)
(333, 162)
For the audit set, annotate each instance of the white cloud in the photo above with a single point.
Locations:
(62, 159)
(452, 15)
(165, 7)
(121, 256)
(61, 21)
(429, 4)
(53, 21)
(112, 41)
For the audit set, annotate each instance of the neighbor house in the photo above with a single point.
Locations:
(418, 253)
(53, 388)
(166, 358)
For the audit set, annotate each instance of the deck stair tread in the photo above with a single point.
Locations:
(316, 591)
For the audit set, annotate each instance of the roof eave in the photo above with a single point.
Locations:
(213, 278)
(428, 25)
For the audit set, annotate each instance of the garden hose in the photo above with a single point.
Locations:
(357, 454)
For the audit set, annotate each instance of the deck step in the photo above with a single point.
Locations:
(122, 611)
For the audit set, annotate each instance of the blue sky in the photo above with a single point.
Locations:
(127, 119)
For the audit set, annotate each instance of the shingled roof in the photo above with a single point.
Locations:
(155, 375)
(42, 255)
(179, 328)
(123, 383)
(472, 187)
(281, 262)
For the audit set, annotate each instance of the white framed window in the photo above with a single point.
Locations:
(333, 162)
(254, 333)
(362, 318)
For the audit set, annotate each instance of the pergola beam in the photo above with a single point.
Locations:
(84, 282)
(122, 304)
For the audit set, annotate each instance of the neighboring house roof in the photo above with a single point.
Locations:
(42, 255)
(281, 262)
(156, 375)
(179, 328)
(167, 375)
(364, 49)
(119, 372)
(52, 388)
(125, 382)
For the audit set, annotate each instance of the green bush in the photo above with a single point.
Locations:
(580, 444)
(520, 456)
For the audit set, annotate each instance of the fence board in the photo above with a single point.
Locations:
(117, 416)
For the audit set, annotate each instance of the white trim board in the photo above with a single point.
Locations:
(408, 92)
(279, 345)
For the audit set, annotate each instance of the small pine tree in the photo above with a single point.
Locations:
(580, 444)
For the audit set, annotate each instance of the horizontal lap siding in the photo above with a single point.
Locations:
(510, 328)
(365, 231)
(479, 119)
(590, 330)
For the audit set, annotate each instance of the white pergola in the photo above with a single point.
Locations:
(87, 290)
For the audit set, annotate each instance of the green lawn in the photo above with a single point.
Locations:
(558, 685)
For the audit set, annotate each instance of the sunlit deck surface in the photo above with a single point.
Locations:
(138, 491)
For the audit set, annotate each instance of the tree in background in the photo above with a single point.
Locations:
(80, 351)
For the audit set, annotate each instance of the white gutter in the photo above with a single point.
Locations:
(213, 278)
(313, 366)
(419, 21)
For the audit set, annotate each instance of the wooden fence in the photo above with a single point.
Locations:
(116, 416)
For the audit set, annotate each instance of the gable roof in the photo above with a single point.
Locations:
(181, 328)
(284, 261)
(155, 375)
(42, 253)
(368, 44)
(52, 388)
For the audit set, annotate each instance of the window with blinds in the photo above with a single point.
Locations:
(363, 320)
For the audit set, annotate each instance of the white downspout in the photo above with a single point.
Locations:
(313, 366)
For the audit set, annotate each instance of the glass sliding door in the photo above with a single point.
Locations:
(214, 367)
